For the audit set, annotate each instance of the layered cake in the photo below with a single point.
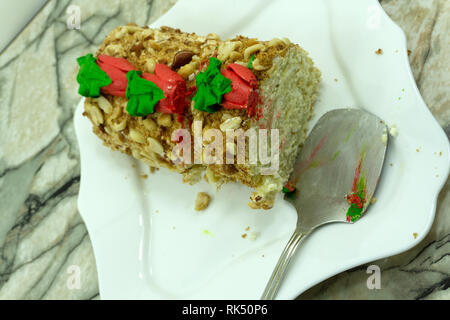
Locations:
(148, 89)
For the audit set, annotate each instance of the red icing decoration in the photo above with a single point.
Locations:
(244, 73)
(174, 88)
(116, 69)
(290, 186)
(355, 198)
(243, 93)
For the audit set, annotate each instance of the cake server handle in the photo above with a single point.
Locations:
(280, 269)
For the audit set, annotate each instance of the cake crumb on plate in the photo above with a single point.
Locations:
(253, 235)
(152, 169)
(393, 131)
(202, 201)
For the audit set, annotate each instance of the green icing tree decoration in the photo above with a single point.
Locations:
(90, 77)
(211, 86)
(142, 95)
(357, 201)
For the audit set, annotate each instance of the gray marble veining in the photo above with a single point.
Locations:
(42, 233)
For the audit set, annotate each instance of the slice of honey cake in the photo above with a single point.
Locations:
(233, 110)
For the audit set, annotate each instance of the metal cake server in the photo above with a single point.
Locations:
(334, 177)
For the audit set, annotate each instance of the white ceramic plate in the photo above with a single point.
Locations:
(148, 241)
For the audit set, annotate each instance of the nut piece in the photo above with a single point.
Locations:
(154, 45)
(132, 28)
(136, 136)
(186, 70)
(202, 201)
(226, 116)
(149, 124)
(242, 63)
(276, 42)
(255, 48)
(212, 36)
(105, 105)
(113, 49)
(155, 146)
(117, 112)
(226, 48)
(393, 131)
(165, 120)
(150, 65)
(119, 126)
(136, 154)
(146, 34)
(96, 114)
(235, 55)
(286, 41)
(232, 124)
(182, 58)
(258, 66)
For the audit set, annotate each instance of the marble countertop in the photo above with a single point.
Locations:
(42, 233)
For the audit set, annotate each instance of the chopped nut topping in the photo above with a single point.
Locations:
(105, 105)
(155, 146)
(165, 120)
(233, 123)
(182, 58)
(136, 136)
